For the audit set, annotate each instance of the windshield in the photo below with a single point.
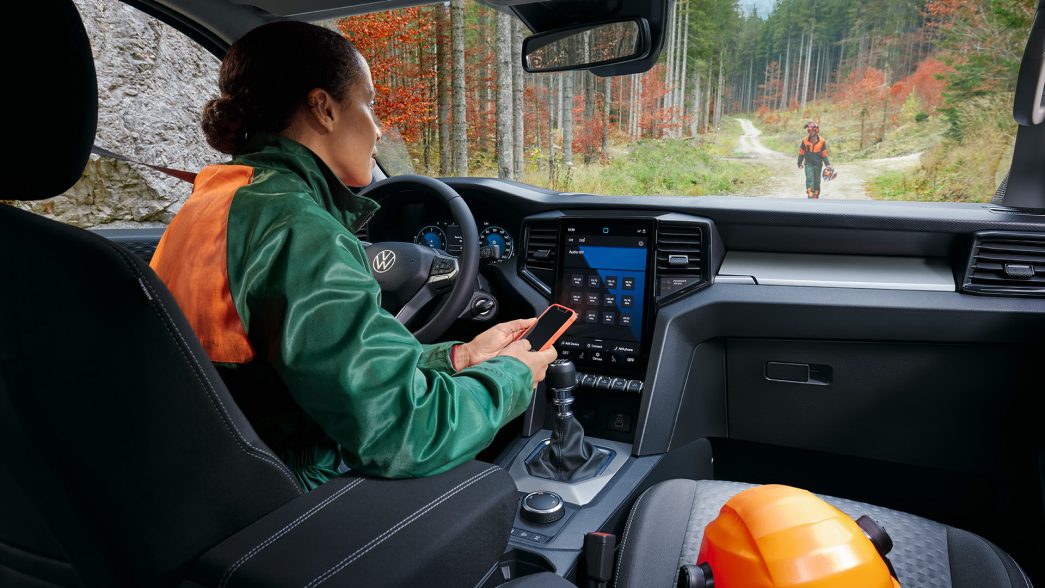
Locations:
(880, 99)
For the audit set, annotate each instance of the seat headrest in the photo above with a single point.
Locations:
(53, 94)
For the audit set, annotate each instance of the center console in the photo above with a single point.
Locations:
(616, 270)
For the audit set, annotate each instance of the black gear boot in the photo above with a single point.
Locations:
(567, 457)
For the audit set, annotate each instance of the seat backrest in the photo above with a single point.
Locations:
(122, 455)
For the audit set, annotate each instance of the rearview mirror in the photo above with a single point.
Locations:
(587, 46)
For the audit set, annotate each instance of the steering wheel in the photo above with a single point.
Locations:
(412, 275)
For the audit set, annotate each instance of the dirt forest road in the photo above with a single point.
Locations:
(785, 180)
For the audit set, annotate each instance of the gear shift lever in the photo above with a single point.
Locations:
(567, 457)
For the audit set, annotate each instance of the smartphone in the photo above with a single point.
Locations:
(552, 323)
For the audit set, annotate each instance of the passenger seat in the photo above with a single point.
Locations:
(666, 525)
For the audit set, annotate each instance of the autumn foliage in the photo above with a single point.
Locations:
(404, 100)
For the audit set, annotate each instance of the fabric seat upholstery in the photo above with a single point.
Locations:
(666, 525)
(123, 459)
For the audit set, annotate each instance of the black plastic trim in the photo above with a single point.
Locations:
(969, 287)
(737, 310)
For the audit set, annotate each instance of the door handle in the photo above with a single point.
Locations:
(799, 373)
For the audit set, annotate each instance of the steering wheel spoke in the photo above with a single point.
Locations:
(412, 276)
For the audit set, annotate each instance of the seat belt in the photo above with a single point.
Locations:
(170, 171)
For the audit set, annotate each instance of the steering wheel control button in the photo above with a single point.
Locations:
(442, 266)
(542, 508)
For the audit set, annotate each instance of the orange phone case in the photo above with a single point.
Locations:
(555, 337)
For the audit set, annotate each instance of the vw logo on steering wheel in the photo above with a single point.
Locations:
(384, 261)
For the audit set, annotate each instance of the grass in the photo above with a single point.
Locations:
(965, 169)
(676, 167)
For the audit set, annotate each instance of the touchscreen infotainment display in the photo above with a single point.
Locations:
(604, 265)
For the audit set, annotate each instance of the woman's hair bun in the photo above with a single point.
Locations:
(225, 125)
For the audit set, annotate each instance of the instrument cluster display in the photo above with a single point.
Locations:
(496, 243)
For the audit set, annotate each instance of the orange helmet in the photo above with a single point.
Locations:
(782, 537)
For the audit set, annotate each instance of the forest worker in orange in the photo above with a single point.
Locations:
(263, 261)
(812, 155)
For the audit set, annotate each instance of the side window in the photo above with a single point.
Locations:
(152, 84)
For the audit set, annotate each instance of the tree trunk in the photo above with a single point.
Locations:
(505, 119)
(694, 122)
(718, 98)
(551, 132)
(798, 68)
(443, 77)
(805, 82)
(706, 113)
(669, 71)
(558, 113)
(426, 132)
(460, 116)
(567, 119)
(680, 102)
(518, 90)
(787, 74)
(816, 78)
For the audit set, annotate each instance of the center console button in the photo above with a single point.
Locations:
(635, 386)
(603, 383)
(618, 384)
(588, 381)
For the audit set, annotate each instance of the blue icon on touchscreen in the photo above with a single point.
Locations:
(605, 230)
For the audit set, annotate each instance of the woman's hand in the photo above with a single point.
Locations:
(500, 340)
(537, 361)
(490, 343)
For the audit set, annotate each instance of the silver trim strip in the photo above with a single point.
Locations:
(839, 271)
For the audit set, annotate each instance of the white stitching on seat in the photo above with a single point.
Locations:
(286, 529)
(230, 425)
(397, 527)
(624, 541)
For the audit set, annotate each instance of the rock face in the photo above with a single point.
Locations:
(152, 83)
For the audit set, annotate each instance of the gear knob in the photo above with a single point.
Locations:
(562, 374)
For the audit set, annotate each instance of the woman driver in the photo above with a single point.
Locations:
(263, 261)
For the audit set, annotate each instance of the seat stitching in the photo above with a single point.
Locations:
(286, 529)
(358, 553)
(624, 542)
(230, 426)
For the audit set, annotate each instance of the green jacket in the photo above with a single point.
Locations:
(332, 373)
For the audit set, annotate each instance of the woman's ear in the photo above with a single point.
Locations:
(323, 108)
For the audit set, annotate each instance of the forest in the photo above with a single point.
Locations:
(933, 78)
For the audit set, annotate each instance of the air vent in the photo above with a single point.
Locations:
(542, 244)
(1007, 264)
(679, 257)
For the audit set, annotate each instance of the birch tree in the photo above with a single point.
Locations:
(505, 118)
(460, 128)
(518, 90)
